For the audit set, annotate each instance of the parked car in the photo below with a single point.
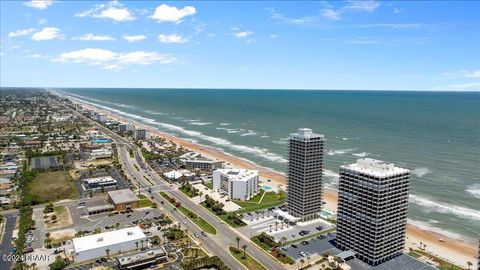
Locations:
(204, 233)
(304, 243)
(294, 246)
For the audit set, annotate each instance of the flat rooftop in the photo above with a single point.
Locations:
(101, 179)
(122, 196)
(374, 167)
(106, 239)
(402, 262)
(142, 256)
(238, 174)
(305, 133)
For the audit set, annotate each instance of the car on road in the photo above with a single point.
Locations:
(196, 235)
(99, 261)
(82, 203)
(204, 233)
(319, 228)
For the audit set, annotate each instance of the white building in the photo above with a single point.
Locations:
(177, 174)
(102, 118)
(239, 184)
(99, 183)
(94, 246)
(195, 160)
(100, 153)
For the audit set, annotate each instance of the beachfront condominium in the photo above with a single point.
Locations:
(140, 134)
(372, 209)
(304, 177)
(238, 184)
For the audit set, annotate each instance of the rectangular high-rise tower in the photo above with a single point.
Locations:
(305, 171)
(372, 209)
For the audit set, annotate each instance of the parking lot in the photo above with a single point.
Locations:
(314, 246)
(124, 220)
(113, 172)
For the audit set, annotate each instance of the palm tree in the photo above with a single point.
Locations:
(421, 244)
(136, 243)
(108, 252)
(469, 264)
(308, 259)
(141, 242)
(33, 266)
(270, 227)
(283, 240)
(276, 225)
(244, 247)
(302, 261)
(238, 242)
(282, 223)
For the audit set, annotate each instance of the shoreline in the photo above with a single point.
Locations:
(454, 250)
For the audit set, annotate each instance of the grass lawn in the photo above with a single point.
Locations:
(63, 218)
(54, 186)
(144, 201)
(209, 185)
(261, 201)
(247, 261)
(443, 265)
(203, 224)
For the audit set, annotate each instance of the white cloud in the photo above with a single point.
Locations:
(306, 20)
(273, 36)
(22, 32)
(47, 33)
(331, 14)
(460, 87)
(113, 60)
(473, 74)
(144, 58)
(92, 37)
(93, 56)
(39, 4)
(243, 34)
(362, 5)
(174, 38)
(42, 21)
(166, 13)
(134, 38)
(35, 56)
(112, 11)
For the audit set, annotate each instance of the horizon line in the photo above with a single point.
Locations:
(249, 89)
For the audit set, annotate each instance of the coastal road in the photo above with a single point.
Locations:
(6, 244)
(226, 235)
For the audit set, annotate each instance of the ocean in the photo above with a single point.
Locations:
(435, 134)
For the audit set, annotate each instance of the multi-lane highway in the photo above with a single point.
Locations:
(226, 236)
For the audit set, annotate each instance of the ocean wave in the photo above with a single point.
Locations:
(154, 112)
(427, 226)
(249, 134)
(429, 206)
(474, 190)
(260, 152)
(421, 172)
(362, 154)
(225, 124)
(200, 123)
(280, 142)
(339, 152)
(106, 102)
(265, 136)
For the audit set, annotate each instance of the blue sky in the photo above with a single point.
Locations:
(384, 45)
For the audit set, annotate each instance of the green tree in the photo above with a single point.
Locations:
(58, 264)
(238, 242)
(244, 247)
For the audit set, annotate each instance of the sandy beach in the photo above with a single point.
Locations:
(454, 250)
